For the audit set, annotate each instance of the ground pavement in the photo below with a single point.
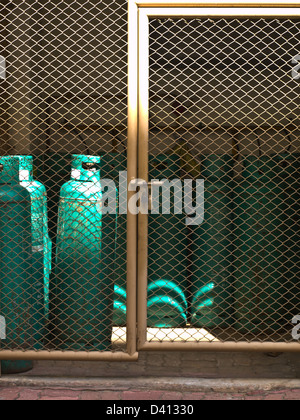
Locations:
(151, 389)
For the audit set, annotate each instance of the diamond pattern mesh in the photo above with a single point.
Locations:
(223, 109)
(65, 94)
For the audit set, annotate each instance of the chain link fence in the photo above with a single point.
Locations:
(223, 108)
(63, 102)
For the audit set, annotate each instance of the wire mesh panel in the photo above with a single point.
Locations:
(223, 110)
(63, 130)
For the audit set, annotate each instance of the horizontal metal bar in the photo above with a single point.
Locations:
(67, 355)
(237, 3)
(215, 12)
(219, 346)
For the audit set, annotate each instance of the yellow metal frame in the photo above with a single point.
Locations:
(130, 354)
(217, 4)
(139, 12)
(138, 78)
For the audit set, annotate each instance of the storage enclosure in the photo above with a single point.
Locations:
(221, 103)
(204, 111)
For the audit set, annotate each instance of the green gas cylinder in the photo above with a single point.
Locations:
(288, 165)
(41, 243)
(15, 264)
(211, 247)
(84, 289)
(167, 255)
(111, 164)
(258, 259)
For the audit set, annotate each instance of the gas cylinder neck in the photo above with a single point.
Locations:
(9, 170)
(25, 168)
(85, 168)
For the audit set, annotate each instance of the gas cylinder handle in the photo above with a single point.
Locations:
(89, 166)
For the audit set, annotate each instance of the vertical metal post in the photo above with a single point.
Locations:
(143, 96)
(132, 174)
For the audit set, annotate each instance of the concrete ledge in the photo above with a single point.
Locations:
(154, 383)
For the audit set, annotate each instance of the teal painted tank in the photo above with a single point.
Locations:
(167, 255)
(83, 287)
(211, 247)
(11, 367)
(288, 166)
(111, 164)
(259, 264)
(41, 245)
(15, 264)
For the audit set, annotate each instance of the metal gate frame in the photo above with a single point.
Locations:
(139, 12)
(129, 354)
(138, 80)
